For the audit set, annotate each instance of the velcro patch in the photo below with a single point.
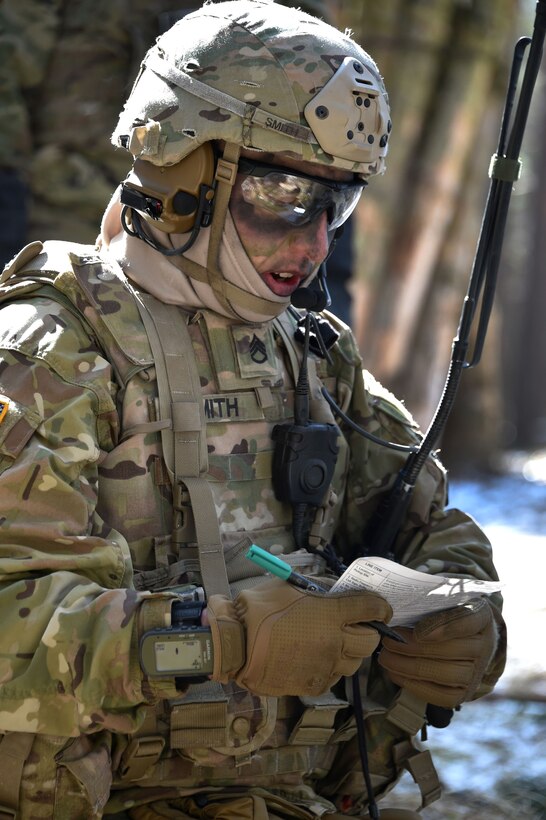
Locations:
(4, 407)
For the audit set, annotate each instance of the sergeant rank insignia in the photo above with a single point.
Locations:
(258, 350)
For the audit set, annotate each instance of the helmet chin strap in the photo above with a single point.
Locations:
(232, 297)
(226, 174)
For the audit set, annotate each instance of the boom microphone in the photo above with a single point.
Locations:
(309, 299)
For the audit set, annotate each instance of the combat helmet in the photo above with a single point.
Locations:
(252, 74)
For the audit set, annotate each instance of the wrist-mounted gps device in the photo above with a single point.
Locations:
(184, 649)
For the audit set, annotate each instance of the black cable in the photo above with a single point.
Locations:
(404, 448)
(301, 417)
(301, 395)
(373, 809)
(141, 233)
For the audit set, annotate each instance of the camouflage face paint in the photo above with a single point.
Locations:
(283, 255)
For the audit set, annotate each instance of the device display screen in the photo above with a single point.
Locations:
(176, 654)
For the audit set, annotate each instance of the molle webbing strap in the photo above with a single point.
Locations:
(184, 440)
(419, 764)
(14, 750)
(408, 712)
(201, 718)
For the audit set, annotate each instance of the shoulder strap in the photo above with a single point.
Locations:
(285, 328)
(320, 409)
(184, 438)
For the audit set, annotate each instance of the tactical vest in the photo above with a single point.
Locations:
(198, 397)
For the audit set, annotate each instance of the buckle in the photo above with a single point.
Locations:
(226, 171)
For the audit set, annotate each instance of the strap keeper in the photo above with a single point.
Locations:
(316, 724)
(186, 416)
(407, 712)
(420, 766)
(140, 755)
(507, 170)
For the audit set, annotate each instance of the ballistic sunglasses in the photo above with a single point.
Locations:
(295, 197)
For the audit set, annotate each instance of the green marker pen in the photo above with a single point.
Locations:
(276, 566)
(281, 569)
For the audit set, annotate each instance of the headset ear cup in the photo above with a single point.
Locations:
(179, 192)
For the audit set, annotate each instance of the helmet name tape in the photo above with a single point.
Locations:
(250, 113)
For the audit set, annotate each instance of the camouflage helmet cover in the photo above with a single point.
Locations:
(263, 76)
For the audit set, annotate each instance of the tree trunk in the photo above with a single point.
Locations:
(528, 382)
(445, 65)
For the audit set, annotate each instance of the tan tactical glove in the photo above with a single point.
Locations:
(276, 639)
(446, 654)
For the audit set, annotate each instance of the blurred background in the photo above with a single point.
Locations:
(398, 276)
(445, 64)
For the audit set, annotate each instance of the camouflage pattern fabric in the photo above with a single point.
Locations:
(262, 77)
(86, 520)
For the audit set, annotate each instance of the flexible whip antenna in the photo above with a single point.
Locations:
(505, 168)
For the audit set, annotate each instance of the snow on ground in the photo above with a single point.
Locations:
(492, 758)
(512, 511)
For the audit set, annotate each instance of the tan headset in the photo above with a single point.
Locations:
(173, 197)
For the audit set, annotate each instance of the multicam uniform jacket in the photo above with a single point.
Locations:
(88, 530)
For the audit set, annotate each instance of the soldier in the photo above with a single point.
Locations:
(155, 392)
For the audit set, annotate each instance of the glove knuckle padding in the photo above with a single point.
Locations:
(359, 642)
(300, 643)
(445, 656)
(458, 622)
